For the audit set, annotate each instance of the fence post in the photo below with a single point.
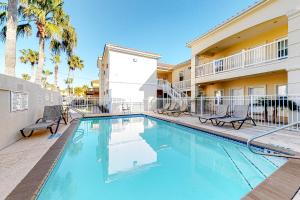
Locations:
(201, 105)
(251, 106)
(86, 102)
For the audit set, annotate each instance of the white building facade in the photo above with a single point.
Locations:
(127, 75)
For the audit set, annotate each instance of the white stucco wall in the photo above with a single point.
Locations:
(12, 122)
(132, 77)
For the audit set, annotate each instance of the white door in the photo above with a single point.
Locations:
(237, 96)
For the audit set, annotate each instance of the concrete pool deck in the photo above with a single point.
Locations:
(18, 159)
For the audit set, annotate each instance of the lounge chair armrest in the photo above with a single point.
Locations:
(37, 121)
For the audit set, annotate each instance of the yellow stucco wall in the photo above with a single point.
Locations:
(269, 81)
(164, 75)
(267, 37)
(176, 71)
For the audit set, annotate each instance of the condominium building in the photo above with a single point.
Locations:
(127, 74)
(256, 52)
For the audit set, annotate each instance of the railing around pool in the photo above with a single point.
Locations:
(270, 111)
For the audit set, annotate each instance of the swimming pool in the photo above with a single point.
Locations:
(140, 157)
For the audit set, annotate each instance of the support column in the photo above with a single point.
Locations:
(194, 87)
(293, 67)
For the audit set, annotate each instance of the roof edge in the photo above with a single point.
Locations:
(118, 48)
(227, 21)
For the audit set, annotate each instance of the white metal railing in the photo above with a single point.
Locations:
(271, 111)
(172, 91)
(182, 85)
(276, 50)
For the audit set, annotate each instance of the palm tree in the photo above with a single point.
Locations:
(46, 74)
(13, 24)
(69, 81)
(50, 19)
(78, 91)
(30, 56)
(56, 61)
(26, 77)
(85, 88)
(74, 63)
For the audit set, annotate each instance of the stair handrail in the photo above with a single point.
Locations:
(77, 111)
(279, 154)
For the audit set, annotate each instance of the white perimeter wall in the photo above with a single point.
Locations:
(129, 80)
(12, 122)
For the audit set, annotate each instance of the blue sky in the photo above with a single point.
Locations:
(159, 26)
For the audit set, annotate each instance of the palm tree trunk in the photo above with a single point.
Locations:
(69, 89)
(39, 70)
(11, 37)
(56, 75)
(32, 73)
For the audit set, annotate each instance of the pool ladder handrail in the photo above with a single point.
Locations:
(285, 155)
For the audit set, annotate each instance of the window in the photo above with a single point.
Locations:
(281, 90)
(181, 76)
(257, 91)
(219, 96)
(219, 65)
(282, 49)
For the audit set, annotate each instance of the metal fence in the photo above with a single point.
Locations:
(272, 111)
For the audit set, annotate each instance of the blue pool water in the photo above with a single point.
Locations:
(144, 158)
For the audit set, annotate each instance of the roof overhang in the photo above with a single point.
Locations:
(228, 21)
(116, 48)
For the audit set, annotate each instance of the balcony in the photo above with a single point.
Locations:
(245, 59)
(182, 85)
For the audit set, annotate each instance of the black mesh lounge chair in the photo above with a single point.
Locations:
(51, 116)
(239, 116)
(182, 109)
(221, 112)
(165, 108)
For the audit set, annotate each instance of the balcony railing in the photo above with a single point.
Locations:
(182, 85)
(266, 53)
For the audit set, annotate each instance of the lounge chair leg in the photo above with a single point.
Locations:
(253, 122)
(203, 122)
(23, 134)
(237, 128)
(65, 120)
(58, 122)
(51, 131)
(212, 122)
(221, 123)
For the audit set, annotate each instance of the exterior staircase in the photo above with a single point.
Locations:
(172, 91)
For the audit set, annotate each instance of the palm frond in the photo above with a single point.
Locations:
(52, 30)
(55, 46)
(24, 30)
(3, 17)
(3, 34)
